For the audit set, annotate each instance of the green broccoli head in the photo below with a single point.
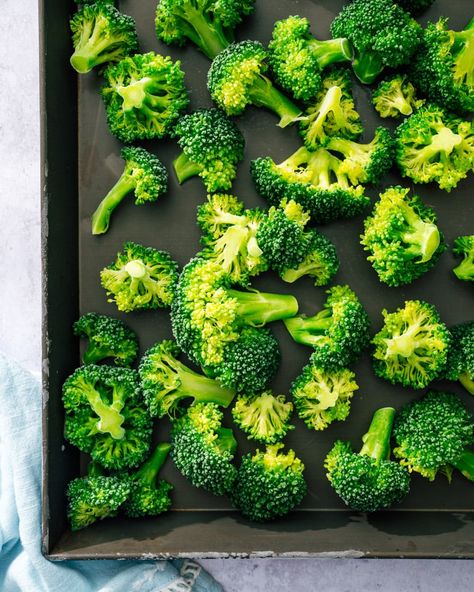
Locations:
(281, 236)
(402, 237)
(323, 396)
(203, 449)
(432, 433)
(166, 382)
(383, 35)
(269, 484)
(108, 338)
(297, 58)
(463, 246)
(106, 415)
(368, 481)
(320, 263)
(415, 7)
(149, 496)
(209, 24)
(396, 96)
(140, 278)
(144, 95)
(212, 146)
(95, 497)
(229, 237)
(444, 66)
(208, 316)
(237, 78)
(411, 349)
(100, 34)
(144, 174)
(338, 333)
(332, 113)
(315, 180)
(433, 145)
(264, 417)
(365, 163)
(460, 365)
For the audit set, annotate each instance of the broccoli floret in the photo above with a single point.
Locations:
(269, 484)
(383, 35)
(149, 496)
(460, 365)
(368, 481)
(281, 236)
(313, 179)
(323, 396)
(203, 449)
(443, 68)
(212, 146)
(395, 96)
(237, 78)
(432, 434)
(144, 95)
(433, 145)
(208, 316)
(229, 237)
(332, 113)
(140, 278)
(402, 237)
(463, 246)
(95, 497)
(264, 417)
(144, 174)
(411, 349)
(209, 24)
(108, 338)
(250, 363)
(297, 58)
(100, 34)
(338, 333)
(415, 7)
(106, 415)
(166, 382)
(365, 163)
(321, 262)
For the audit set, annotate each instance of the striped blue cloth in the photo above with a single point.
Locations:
(22, 566)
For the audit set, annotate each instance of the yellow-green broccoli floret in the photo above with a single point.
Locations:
(396, 96)
(412, 347)
(264, 417)
(323, 396)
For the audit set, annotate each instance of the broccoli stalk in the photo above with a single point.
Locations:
(262, 93)
(395, 96)
(259, 308)
(465, 463)
(148, 495)
(144, 174)
(166, 382)
(464, 247)
(185, 168)
(377, 439)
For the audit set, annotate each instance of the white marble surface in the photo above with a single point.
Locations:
(20, 320)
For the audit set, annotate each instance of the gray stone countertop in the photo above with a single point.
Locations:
(20, 328)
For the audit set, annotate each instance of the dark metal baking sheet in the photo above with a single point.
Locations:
(435, 519)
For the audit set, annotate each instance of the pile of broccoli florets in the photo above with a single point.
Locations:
(216, 373)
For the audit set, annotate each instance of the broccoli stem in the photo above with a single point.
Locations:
(330, 104)
(225, 441)
(148, 472)
(101, 217)
(310, 330)
(259, 308)
(202, 388)
(423, 237)
(262, 93)
(208, 36)
(464, 60)
(468, 382)
(135, 93)
(185, 168)
(367, 66)
(94, 469)
(93, 354)
(465, 464)
(331, 51)
(465, 270)
(377, 439)
(110, 419)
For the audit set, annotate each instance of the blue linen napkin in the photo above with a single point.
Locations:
(22, 566)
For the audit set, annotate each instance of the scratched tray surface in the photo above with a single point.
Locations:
(170, 224)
